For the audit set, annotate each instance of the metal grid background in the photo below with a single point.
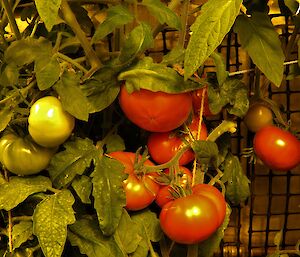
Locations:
(274, 204)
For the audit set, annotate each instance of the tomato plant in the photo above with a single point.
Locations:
(22, 156)
(184, 177)
(277, 148)
(155, 111)
(163, 146)
(258, 116)
(190, 219)
(215, 195)
(49, 124)
(141, 189)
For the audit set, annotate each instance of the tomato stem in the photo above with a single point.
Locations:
(225, 126)
(11, 19)
(70, 60)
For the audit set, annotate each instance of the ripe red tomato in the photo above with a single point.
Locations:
(197, 99)
(163, 146)
(215, 195)
(141, 190)
(155, 111)
(277, 148)
(164, 194)
(190, 219)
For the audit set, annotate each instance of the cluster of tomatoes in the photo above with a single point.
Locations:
(277, 148)
(49, 126)
(188, 212)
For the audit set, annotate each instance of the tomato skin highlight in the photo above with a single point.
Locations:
(140, 191)
(215, 195)
(22, 156)
(276, 148)
(189, 220)
(155, 111)
(163, 146)
(49, 124)
(164, 195)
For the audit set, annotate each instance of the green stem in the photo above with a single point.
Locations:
(21, 218)
(192, 250)
(73, 23)
(291, 43)
(184, 20)
(54, 190)
(18, 92)
(152, 252)
(70, 60)
(57, 42)
(225, 126)
(170, 163)
(11, 19)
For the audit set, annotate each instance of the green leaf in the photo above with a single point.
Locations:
(72, 97)
(127, 234)
(48, 11)
(114, 143)
(222, 74)
(233, 95)
(117, 16)
(175, 56)
(108, 192)
(86, 235)
(47, 72)
(83, 188)
(74, 160)
(9, 74)
(50, 220)
(149, 229)
(138, 40)
(259, 38)
(208, 31)
(101, 90)
(27, 50)
(5, 117)
(209, 246)
(293, 5)
(21, 232)
(237, 183)
(162, 13)
(19, 188)
(155, 77)
(205, 151)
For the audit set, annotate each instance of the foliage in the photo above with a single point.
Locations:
(82, 54)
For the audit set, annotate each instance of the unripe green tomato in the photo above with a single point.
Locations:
(257, 117)
(49, 124)
(22, 156)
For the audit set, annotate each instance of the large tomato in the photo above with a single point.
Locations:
(155, 111)
(163, 146)
(49, 124)
(141, 190)
(277, 148)
(215, 195)
(184, 176)
(257, 117)
(22, 156)
(190, 219)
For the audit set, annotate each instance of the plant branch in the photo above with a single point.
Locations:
(70, 60)
(225, 126)
(73, 23)
(11, 19)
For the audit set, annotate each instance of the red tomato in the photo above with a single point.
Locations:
(197, 99)
(190, 219)
(155, 111)
(140, 191)
(164, 194)
(163, 146)
(215, 195)
(277, 148)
